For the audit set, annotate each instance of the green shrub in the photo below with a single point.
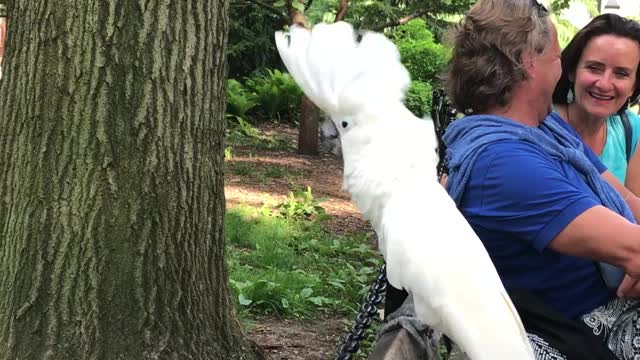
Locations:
(421, 54)
(418, 98)
(277, 93)
(302, 205)
(294, 268)
(250, 44)
(239, 99)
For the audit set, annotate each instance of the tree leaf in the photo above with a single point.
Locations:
(306, 292)
(244, 301)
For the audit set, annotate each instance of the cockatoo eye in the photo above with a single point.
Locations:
(345, 124)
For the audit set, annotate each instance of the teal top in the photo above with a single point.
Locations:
(614, 152)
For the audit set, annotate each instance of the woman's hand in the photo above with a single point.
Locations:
(629, 288)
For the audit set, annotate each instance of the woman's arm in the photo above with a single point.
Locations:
(632, 200)
(632, 181)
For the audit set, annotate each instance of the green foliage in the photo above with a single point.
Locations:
(238, 125)
(243, 134)
(228, 153)
(373, 13)
(301, 204)
(241, 168)
(424, 58)
(556, 6)
(293, 267)
(239, 99)
(277, 93)
(418, 98)
(565, 29)
(251, 45)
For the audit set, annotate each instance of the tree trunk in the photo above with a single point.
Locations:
(111, 184)
(308, 128)
(309, 113)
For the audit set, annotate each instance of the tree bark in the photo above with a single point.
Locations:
(309, 113)
(342, 10)
(308, 128)
(111, 183)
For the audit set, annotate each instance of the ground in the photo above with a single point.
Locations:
(322, 172)
(280, 338)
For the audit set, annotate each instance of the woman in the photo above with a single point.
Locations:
(600, 78)
(541, 202)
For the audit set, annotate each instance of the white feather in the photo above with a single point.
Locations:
(390, 171)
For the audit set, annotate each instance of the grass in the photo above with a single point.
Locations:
(264, 173)
(293, 268)
(259, 141)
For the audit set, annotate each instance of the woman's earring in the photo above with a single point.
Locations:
(570, 93)
(628, 103)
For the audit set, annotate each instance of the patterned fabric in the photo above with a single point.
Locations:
(618, 324)
(542, 349)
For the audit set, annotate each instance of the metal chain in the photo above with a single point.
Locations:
(367, 310)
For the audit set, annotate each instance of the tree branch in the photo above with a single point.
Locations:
(400, 21)
(307, 5)
(272, 9)
(342, 10)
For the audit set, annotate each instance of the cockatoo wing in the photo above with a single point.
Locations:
(432, 252)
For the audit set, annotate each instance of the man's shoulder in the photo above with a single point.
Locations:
(512, 150)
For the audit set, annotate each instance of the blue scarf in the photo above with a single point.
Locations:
(467, 137)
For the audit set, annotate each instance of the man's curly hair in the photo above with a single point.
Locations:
(488, 49)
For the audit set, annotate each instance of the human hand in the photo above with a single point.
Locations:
(629, 288)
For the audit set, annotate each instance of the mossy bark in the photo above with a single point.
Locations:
(111, 183)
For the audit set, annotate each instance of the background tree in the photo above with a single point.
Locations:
(565, 28)
(261, 18)
(112, 205)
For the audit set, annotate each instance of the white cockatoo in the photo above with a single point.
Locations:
(390, 172)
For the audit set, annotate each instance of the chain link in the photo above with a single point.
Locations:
(364, 318)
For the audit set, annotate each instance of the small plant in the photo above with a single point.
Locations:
(242, 133)
(241, 168)
(237, 124)
(274, 172)
(228, 153)
(277, 93)
(302, 205)
(294, 268)
(239, 99)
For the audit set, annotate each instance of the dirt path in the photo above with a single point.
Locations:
(323, 173)
(297, 340)
(283, 339)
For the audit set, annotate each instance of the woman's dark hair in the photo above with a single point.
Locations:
(605, 24)
(488, 49)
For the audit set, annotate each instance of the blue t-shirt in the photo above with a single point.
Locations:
(614, 153)
(517, 200)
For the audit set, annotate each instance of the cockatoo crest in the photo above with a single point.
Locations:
(343, 72)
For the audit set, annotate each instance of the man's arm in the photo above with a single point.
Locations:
(601, 234)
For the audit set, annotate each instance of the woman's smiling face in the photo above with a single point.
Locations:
(605, 76)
